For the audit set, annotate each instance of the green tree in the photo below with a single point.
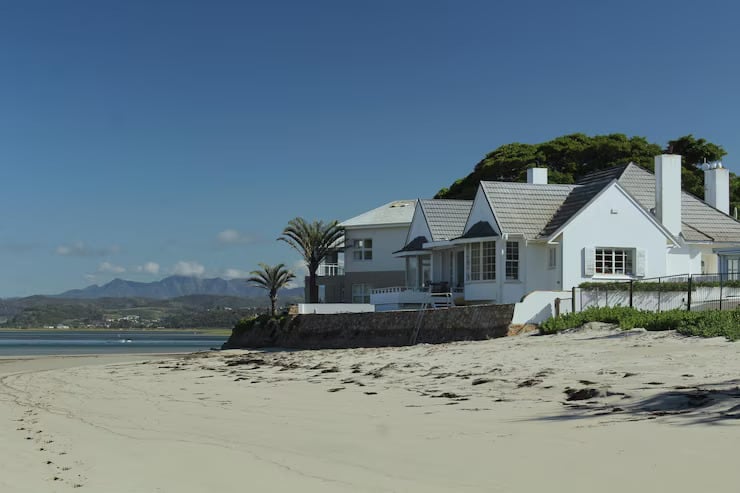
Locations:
(272, 278)
(693, 152)
(570, 157)
(313, 241)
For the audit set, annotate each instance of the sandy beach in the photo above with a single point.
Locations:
(591, 410)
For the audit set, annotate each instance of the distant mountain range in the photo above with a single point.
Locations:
(173, 287)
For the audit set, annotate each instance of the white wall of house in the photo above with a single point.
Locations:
(480, 211)
(482, 291)
(683, 260)
(612, 220)
(709, 260)
(540, 275)
(386, 240)
(418, 227)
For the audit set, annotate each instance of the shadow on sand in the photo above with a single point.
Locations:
(701, 404)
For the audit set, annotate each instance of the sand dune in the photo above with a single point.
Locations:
(594, 410)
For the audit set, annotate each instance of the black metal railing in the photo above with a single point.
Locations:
(690, 292)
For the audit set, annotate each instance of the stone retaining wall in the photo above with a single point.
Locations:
(396, 328)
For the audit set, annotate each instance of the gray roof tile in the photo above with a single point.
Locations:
(446, 218)
(523, 208)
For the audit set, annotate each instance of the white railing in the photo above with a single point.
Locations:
(396, 296)
(330, 270)
(399, 289)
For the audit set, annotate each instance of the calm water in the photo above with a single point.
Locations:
(16, 343)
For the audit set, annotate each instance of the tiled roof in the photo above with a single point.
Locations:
(446, 218)
(398, 213)
(523, 208)
(538, 211)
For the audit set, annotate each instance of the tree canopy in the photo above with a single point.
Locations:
(272, 278)
(570, 157)
(314, 241)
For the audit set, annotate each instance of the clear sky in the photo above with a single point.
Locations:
(144, 138)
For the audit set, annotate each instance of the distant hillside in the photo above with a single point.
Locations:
(192, 311)
(173, 287)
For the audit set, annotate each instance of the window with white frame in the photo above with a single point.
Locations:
(481, 261)
(614, 261)
(512, 260)
(362, 249)
(361, 293)
(489, 260)
(552, 258)
(474, 261)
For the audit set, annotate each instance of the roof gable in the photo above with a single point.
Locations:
(700, 221)
(481, 210)
(593, 192)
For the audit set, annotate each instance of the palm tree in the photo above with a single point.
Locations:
(313, 241)
(272, 278)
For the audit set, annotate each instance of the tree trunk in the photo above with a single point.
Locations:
(273, 299)
(313, 288)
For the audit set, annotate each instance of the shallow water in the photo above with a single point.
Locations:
(18, 343)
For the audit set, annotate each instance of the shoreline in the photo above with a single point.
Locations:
(207, 331)
(496, 415)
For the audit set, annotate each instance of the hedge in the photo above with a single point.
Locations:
(703, 323)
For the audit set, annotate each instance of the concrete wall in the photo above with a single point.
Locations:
(538, 306)
(349, 330)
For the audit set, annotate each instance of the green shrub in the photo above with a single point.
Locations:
(712, 324)
(703, 324)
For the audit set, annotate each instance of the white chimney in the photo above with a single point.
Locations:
(668, 191)
(537, 176)
(717, 187)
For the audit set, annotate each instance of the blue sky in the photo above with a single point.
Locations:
(140, 139)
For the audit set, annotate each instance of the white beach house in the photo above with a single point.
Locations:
(516, 238)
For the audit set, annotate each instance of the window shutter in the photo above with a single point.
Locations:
(589, 260)
(641, 263)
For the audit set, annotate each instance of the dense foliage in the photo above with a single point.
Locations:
(703, 324)
(570, 157)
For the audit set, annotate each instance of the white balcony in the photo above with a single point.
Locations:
(330, 270)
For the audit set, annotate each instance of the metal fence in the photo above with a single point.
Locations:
(684, 292)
